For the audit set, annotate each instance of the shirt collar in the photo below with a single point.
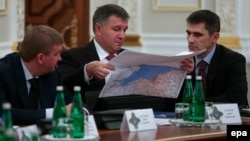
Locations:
(100, 51)
(27, 74)
(206, 58)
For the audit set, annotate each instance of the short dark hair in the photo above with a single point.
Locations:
(211, 20)
(39, 39)
(102, 13)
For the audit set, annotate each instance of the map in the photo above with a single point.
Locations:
(145, 80)
(146, 74)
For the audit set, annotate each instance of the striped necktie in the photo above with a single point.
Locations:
(202, 72)
(110, 56)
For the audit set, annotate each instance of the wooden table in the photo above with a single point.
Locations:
(168, 133)
(171, 133)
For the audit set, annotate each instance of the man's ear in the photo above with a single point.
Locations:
(40, 58)
(216, 36)
(98, 28)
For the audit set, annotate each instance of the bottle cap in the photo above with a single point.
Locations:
(188, 77)
(198, 78)
(6, 105)
(77, 88)
(59, 88)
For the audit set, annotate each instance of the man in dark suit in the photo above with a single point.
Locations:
(87, 65)
(225, 79)
(37, 58)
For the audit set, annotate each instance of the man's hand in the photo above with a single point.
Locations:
(98, 69)
(188, 64)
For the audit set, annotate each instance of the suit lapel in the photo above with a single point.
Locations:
(46, 91)
(42, 93)
(212, 69)
(92, 53)
(22, 89)
(93, 56)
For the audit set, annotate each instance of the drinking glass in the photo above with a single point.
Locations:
(182, 111)
(209, 110)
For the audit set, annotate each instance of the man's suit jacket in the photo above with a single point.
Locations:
(226, 77)
(13, 89)
(71, 67)
(71, 70)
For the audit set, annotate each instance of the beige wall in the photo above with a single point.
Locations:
(4, 30)
(166, 21)
(245, 11)
(158, 21)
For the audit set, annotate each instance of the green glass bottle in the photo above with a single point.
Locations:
(188, 90)
(77, 115)
(198, 102)
(187, 97)
(2, 135)
(9, 135)
(7, 122)
(59, 114)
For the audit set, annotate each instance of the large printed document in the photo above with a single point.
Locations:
(146, 74)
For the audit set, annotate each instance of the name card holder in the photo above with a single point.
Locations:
(227, 113)
(138, 120)
(90, 126)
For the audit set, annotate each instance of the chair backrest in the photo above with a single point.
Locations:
(133, 101)
(91, 98)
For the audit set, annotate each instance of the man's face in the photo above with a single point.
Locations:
(111, 35)
(49, 62)
(199, 38)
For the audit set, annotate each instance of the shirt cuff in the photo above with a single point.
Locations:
(86, 77)
(49, 113)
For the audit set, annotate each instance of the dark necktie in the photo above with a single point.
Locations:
(202, 72)
(33, 94)
(110, 56)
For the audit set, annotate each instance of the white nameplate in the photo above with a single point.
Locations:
(27, 131)
(138, 120)
(90, 126)
(227, 113)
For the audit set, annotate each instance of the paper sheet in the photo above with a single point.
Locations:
(146, 74)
